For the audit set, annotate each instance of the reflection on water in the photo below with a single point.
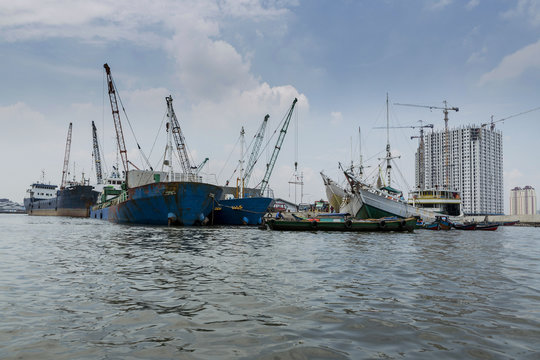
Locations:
(85, 289)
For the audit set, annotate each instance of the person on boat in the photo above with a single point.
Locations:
(279, 215)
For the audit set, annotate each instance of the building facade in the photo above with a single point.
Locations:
(523, 201)
(468, 159)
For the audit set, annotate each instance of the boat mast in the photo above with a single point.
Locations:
(240, 179)
(388, 153)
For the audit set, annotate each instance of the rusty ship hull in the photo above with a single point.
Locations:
(160, 203)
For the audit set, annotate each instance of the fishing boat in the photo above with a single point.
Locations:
(487, 226)
(157, 197)
(342, 224)
(470, 226)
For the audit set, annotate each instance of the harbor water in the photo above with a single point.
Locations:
(75, 288)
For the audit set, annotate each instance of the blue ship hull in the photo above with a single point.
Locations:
(72, 201)
(244, 211)
(162, 203)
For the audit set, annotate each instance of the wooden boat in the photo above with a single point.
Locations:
(471, 226)
(432, 226)
(487, 227)
(510, 223)
(343, 224)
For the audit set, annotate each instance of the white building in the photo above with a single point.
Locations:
(471, 163)
(523, 201)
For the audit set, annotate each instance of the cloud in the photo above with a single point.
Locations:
(336, 118)
(514, 65)
(438, 4)
(528, 9)
(472, 4)
(478, 56)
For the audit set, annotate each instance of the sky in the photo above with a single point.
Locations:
(228, 63)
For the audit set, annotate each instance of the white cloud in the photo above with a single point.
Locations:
(528, 9)
(336, 118)
(478, 56)
(472, 4)
(436, 5)
(514, 65)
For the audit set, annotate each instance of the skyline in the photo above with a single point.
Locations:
(229, 63)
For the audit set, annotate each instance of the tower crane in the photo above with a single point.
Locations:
(255, 152)
(279, 143)
(445, 110)
(492, 126)
(179, 139)
(97, 155)
(66, 158)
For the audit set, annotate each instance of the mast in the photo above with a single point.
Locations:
(240, 180)
(277, 148)
(66, 158)
(116, 118)
(97, 155)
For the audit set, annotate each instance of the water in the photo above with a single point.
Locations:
(86, 289)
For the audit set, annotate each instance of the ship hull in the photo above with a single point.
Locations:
(162, 203)
(375, 205)
(244, 211)
(74, 201)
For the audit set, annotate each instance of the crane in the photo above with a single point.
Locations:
(201, 165)
(445, 110)
(116, 118)
(179, 138)
(66, 158)
(492, 126)
(255, 152)
(97, 155)
(279, 143)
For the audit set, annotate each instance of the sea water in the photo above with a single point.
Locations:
(88, 289)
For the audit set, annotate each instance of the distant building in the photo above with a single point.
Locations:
(471, 163)
(523, 201)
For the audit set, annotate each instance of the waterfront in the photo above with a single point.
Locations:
(86, 289)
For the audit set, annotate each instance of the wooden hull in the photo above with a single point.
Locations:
(343, 225)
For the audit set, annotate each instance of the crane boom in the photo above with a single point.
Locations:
(178, 137)
(116, 118)
(97, 155)
(509, 117)
(272, 162)
(255, 152)
(66, 158)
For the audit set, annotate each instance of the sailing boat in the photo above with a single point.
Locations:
(382, 200)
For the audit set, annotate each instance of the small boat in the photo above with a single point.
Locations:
(487, 227)
(432, 226)
(510, 223)
(470, 226)
(342, 224)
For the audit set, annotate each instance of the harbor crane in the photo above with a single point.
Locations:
(445, 110)
(116, 118)
(492, 123)
(66, 158)
(97, 155)
(201, 165)
(277, 148)
(255, 151)
(179, 140)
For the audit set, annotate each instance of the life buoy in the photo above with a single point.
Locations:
(348, 224)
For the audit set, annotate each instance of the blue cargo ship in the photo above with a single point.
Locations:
(158, 202)
(247, 210)
(73, 200)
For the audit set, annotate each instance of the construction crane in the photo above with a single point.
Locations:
(66, 158)
(201, 165)
(445, 110)
(97, 155)
(116, 118)
(255, 151)
(179, 138)
(407, 127)
(492, 123)
(279, 143)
